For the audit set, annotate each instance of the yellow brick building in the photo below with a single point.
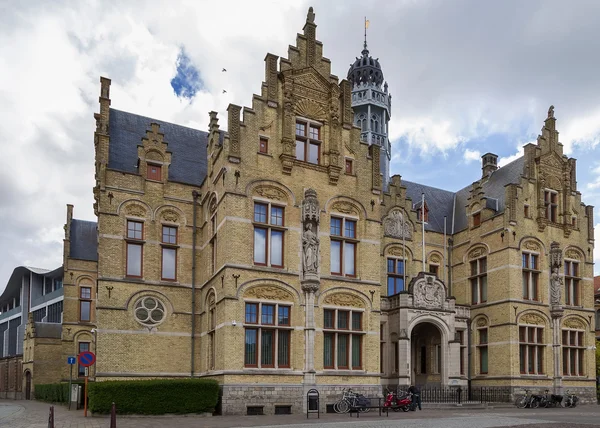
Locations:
(279, 256)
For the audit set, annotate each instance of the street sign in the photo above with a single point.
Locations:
(87, 371)
(86, 358)
(71, 360)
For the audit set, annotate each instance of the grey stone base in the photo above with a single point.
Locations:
(236, 399)
(586, 394)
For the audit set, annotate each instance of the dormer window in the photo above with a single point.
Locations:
(476, 219)
(308, 142)
(551, 204)
(423, 216)
(154, 172)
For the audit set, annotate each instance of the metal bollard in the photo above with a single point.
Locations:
(51, 417)
(113, 416)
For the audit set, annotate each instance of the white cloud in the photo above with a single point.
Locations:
(508, 159)
(471, 155)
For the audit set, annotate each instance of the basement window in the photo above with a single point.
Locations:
(255, 410)
(283, 410)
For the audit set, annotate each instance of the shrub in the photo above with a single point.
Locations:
(154, 397)
(52, 392)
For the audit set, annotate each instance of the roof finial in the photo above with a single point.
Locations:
(310, 17)
(551, 112)
(365, 51)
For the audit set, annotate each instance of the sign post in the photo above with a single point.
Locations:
(70, 362)
(86, 359)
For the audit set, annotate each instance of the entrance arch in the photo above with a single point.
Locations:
(27, 385)
(428, 354)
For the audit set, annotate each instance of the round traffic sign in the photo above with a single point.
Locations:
(86, 358)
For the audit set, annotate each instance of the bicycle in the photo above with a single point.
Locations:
(351, 400)
(528, 400)
(550, 400)
(571, 399)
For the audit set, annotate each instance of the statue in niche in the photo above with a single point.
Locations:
(310, 244)
(556, 283)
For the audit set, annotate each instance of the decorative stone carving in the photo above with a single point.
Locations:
(344, 299)
(556, 280)
(310, 109)
(170, 215)
(551, 112)
(532, 245)
(344, 207)
(574, 323)
(212, 206)
(396, 251)
(310, 236)
(572, 254)
(477, 252)
(531, 319)
(428, 293)
(135, 210)
(396, 227)
(271, 192)
(268, 293)
(481, 322)
(434, 258)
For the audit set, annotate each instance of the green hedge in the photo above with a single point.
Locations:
(154, 397)
(52, 392)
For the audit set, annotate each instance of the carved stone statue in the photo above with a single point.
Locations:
(551, 112)
(395, 226)
(310, 245)
(556, 283)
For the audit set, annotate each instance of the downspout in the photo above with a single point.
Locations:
(195, 196)
(469, 365)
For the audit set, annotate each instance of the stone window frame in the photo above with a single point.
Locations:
(149, 321)
(463, 350)
(437, 358)
(344, 240)
(531, 339)
(551, 204)
(213, 241)
(476, 216)
(82, 346)
(211, 329)
(526, 211)
(573, 348)
(350, 332)
(483, 347)
(154, 176)
(270, 229)
(307, 139)
(395, 274)
(349, 166)
(263, 145)
(85, 299)
(276, 326)
(530, 267)
(573, 280)
(133, 239)
(480, 278)
(171, 244)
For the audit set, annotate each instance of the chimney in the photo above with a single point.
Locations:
(489, 164)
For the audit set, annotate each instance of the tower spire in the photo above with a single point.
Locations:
(365, 50)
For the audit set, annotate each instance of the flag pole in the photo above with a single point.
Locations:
(445, 282)
(403, 253)
(423, 225)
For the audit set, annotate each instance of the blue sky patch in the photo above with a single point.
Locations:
(187, 82)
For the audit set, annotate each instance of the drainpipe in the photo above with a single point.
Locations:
(195, 196)
(469, 365)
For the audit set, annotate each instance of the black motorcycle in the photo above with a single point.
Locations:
(551, 400)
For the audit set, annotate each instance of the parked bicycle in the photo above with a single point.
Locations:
(351, 400)
(528, 400)
(550, 400)
(571, 399)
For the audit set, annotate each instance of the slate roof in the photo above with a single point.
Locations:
(186, 145)
(453, 204)
(84, 240)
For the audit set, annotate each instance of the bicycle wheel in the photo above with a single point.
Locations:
(534, 404)
(343, 406)
(521, 402)
(335, 407)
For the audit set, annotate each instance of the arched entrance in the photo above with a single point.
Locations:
(427, 355)
(27, 385)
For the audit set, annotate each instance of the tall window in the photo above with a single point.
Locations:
(83, 347)
(437, 361)
(476, 219)
(85, 304)
(308, 142)
(531, 350)
(573, 353)
(395, 278)
(267, 332)
(212, 325)
(482, 347)
(572, 294)
(526, 211)
(135, 235)
(348, 166)
(342, 339)
(551, 204)
(263, 145)
(463, 350)
(343, 246)
(478, 280)
(169, 253)
(531, 273)
(213, 243)
(268, 235)
(154, 172)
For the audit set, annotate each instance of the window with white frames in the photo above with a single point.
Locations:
(572, 280)
(551, 205)
(169, 253)
(343, 246)
(342, 339)
(531, 273)
(267, 328)
(308, 141)
(478, 280)
(134, 242)
(269, 232)
(395, 276)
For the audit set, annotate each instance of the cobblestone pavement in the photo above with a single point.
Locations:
(32, 414)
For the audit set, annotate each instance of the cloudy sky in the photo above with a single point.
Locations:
(467, 77)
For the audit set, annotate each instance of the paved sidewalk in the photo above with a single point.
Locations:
(33, 414)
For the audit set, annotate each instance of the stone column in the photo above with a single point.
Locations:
(310, 282)
(556, 311)
(405, 360)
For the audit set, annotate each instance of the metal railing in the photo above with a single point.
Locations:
(459, 395)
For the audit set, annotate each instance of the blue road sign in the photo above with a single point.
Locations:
(86, 358)
(71, 360)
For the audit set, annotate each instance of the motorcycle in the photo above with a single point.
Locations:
(398, 402)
